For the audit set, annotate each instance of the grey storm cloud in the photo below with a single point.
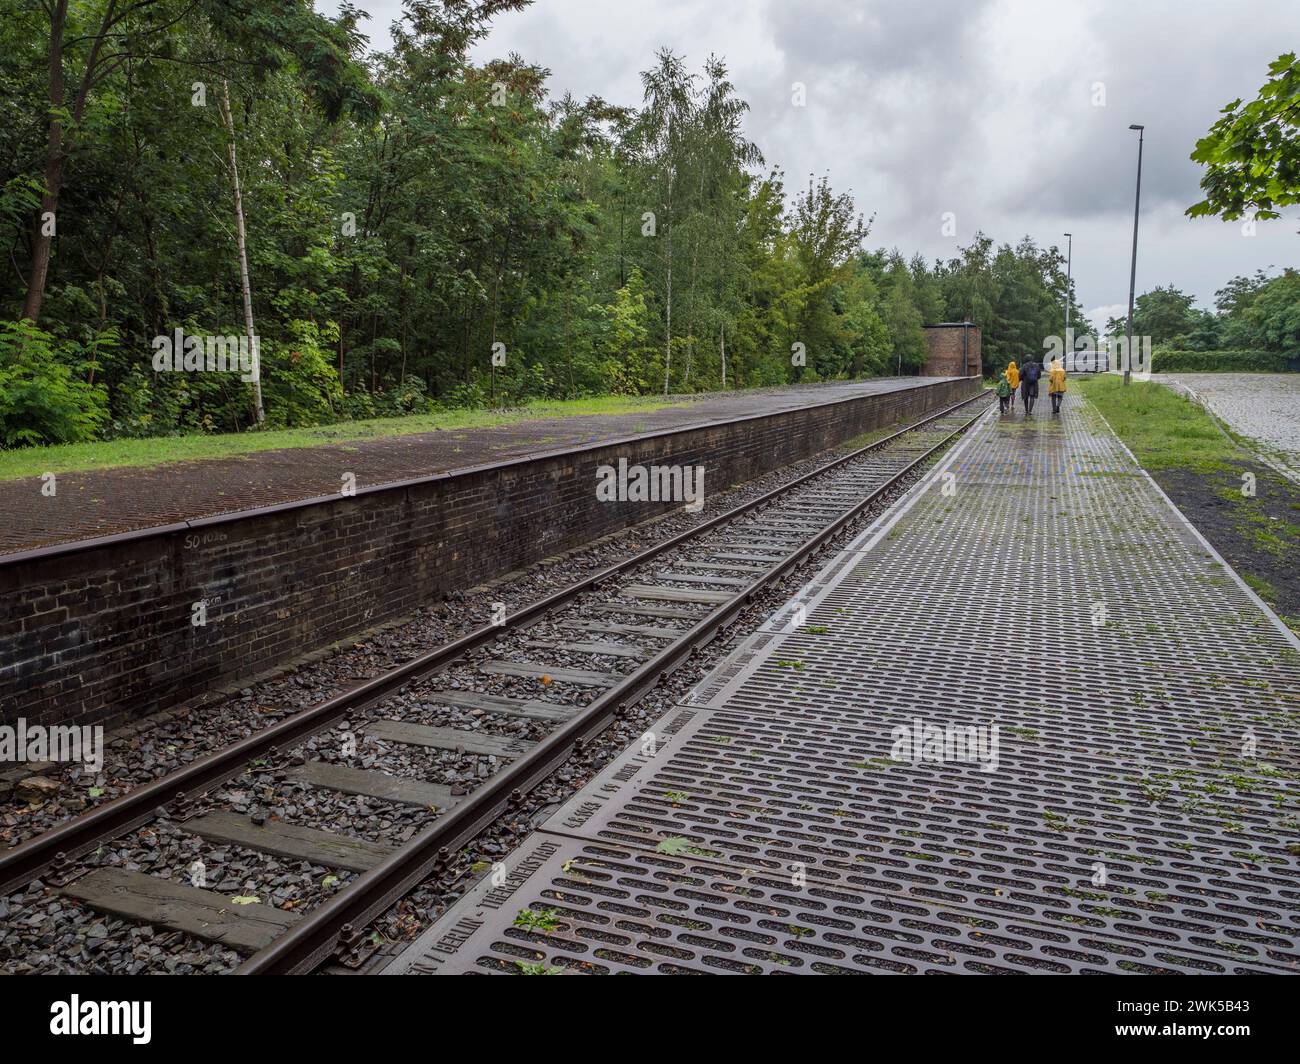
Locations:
(877, 77)
(879, 39)
(1172, 70)
(985, 109)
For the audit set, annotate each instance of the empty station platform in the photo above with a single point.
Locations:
(1028, 721)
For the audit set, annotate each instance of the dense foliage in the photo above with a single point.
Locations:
(1251, 157)
(379, 226)
(1166, 360)
(1252, 314)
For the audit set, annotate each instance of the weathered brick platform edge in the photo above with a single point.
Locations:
(100, 630)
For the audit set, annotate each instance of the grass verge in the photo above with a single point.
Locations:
(1210, 475)
(1163, 427)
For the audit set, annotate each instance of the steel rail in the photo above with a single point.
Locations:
(318, 935)
(80, 834)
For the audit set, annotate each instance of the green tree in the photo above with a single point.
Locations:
(827, 232)
(1164, 314)
(408, 211)
(1252, 153)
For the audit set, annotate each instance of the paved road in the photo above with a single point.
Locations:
(1122, 801)
(1263, 406)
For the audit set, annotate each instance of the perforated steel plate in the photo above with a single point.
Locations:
(601, 909)
(1138, 812)
(787, 794)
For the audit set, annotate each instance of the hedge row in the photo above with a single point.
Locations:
(1223, 361)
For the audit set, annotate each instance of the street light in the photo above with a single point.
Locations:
(1069, 252)
(1132, 273)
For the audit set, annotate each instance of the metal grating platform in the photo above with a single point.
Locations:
(1124, 825)
(622, 910)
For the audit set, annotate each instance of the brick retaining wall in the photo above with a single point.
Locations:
(102, 630)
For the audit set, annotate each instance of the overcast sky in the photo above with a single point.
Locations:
(1011, 114)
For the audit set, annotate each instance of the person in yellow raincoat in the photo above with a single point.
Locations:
(1013, 379)
(1056, 384)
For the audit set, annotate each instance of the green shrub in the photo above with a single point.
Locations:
(300, 385)
(358, 405)
(409, 397)
(469, 396)
(1163, 361)
(43, 396)
(140, 411)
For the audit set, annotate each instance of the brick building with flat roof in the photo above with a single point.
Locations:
(954, 350)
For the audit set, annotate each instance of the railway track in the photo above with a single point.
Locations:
(514, 699)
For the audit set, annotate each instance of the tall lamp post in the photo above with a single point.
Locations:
(1069, 253)
(1132, 273)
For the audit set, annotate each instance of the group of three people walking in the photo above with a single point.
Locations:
(1027, 381)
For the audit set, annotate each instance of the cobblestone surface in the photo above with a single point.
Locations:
(1262, 406)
